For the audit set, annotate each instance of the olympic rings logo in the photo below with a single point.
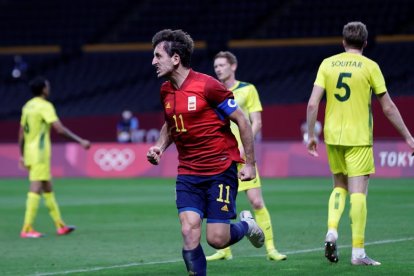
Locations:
(114, 159)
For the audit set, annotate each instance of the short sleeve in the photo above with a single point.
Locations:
(320, 76)
(49, 114)
(253, 102)
(216, 93)
(22, 118)
(377, 80)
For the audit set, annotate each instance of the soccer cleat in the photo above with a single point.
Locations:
(32, 234)
(274, 255)
(254, 233)
(364, 261)
(222, 254)
(331, 253)
(65, 230)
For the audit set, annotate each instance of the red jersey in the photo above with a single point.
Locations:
(204, 141)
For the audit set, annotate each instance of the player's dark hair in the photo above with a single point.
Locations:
(37, 85)
(355, 34)
(176, 42)
(231, 58)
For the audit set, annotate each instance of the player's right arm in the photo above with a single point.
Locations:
(394, 116)
(64, 131)
(164, 141)
(311, 115)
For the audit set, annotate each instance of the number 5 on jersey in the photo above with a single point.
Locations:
(341, 84)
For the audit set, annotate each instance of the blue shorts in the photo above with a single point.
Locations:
(212, 197)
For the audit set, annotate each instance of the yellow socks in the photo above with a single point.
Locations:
(32, 204)
(336, 207)
(53, 207)
(358, 215)
(263, 220)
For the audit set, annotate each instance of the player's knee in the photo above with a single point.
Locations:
(186, 230)
(257, 203)
(217, 242)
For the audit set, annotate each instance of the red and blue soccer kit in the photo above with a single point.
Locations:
(197, 117)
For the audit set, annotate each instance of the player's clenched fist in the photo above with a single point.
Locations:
(154, 155)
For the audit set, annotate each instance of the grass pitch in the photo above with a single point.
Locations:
(130, 227)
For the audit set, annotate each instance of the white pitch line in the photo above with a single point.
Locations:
(99, 268)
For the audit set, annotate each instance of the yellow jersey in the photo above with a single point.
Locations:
(247, 98)
(37, 116)
(349, 80)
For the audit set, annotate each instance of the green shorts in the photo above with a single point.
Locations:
(351, 160)
(247, 185)
(39, 172)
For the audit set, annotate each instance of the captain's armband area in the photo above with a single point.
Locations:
(227, 107)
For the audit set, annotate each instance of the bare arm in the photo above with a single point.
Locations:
(164, 141)
(256, 121)
(62, 130)
(311, 115)
(394, 116)
(248, 172)
(21, 147)
(21, 140)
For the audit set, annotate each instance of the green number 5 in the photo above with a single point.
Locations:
(341, 84)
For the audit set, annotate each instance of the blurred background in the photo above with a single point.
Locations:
(97, 55)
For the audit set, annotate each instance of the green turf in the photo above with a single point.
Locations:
(130, 227)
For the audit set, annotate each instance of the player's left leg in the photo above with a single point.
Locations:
(360, 162)
(54, 211)
(263, 219)
(222, 195)
(358, 214)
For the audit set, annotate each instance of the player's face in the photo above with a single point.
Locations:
(223, 69)
(163, 63)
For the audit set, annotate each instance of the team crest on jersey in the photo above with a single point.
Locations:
(167, 105)
(192, 103)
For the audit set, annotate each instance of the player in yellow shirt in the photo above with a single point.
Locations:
(38, 115)
(349, 79)
(246, 96)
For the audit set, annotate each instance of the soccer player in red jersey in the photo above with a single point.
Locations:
(198, 110)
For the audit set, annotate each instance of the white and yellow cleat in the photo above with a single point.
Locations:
(254, 233)
(364, 261)
(222, 254)
(274, 255)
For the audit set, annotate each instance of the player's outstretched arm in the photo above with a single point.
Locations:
(311, 115)
(248, 171)
(62, 130)
(164, 141)
(393, 114)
